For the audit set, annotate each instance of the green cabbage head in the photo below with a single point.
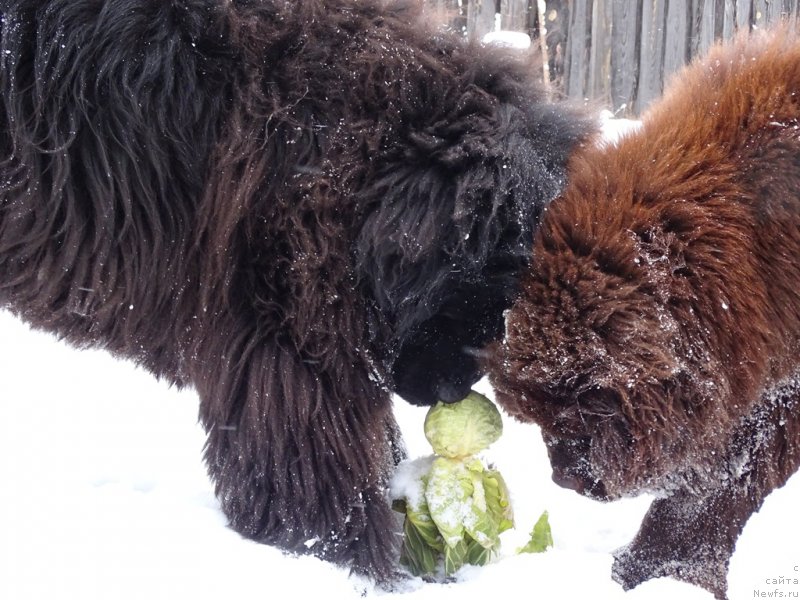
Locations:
(463, 428)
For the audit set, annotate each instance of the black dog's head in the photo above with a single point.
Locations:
(441, 284)
(441, 358)
(449, 223)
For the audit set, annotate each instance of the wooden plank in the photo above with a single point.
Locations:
(446, 13)
(766, 12)
(758, 13)
(439, 6)
(703, 26)
(789, 9)
(744, 14)
(792, 13)
(460, 22)
(437, 9)
(480, 18)
(729, 20)
(624, 62)
(651, 57)
(514, 15)
(600, 53)
(579, 35)
(557, 22)
(719, 18)
(676, 39)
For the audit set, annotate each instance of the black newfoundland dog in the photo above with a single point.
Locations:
(293, 206)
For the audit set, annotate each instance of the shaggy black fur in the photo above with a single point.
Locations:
(293, 206)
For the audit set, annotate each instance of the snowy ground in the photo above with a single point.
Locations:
(104, 496)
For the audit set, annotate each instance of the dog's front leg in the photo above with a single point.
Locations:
(686, 537)
(300, 455)
(692, 537)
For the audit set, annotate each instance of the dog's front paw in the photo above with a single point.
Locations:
(635, 564)
(369, 544)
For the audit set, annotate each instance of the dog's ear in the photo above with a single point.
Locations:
(439, 205)
(404, 244)
(462, 186)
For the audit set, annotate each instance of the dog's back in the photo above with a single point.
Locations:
(108, 123)
(195, 142)
(715, 172)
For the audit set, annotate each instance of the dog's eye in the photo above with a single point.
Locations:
(599, 403)
(569, 422)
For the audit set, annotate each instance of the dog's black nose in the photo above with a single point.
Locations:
(568, 481)
(448, 392)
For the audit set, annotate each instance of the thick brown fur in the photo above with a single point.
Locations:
(294, 206)
(657, 337)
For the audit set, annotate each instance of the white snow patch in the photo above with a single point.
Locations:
(612, 129)
(508, 39)
(767, 549)
(406, 482)
(104, 495)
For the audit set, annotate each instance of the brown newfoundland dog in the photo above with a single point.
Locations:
(657, 337)
(294, 206)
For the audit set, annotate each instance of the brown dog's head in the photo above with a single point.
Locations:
(617, 343)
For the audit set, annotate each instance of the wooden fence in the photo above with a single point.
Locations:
(618, 53)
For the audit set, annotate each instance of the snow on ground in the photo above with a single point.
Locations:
(103, 495)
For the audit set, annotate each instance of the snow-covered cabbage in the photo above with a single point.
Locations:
(463, 428)
(465, 508)
(455, 507)
(449, 495)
